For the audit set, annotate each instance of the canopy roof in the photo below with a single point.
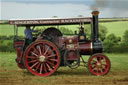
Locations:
(52, 21)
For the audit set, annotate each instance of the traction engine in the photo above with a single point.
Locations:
(52, 50)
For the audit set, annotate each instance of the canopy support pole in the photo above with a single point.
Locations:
(15, 32)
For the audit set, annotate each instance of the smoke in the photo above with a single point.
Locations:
(99, 4)
(116, 4)
(119, 4)
(119, 7)
(116, 7)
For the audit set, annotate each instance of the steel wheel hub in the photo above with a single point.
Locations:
(42, 58)
(98, 64)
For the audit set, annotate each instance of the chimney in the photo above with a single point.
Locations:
(95, 29)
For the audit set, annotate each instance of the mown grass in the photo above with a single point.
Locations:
(118, 28)
(7, 30)
(10, 74)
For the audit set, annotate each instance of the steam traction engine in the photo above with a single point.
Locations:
(52, 50)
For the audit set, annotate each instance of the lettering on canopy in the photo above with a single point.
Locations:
(50, 21)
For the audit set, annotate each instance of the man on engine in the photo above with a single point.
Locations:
(28, 35)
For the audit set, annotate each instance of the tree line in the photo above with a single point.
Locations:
(111, 42)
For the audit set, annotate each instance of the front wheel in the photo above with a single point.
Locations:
(99, 64)
(42, 58)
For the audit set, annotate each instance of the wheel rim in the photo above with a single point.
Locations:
(99, 64)
(42, 58)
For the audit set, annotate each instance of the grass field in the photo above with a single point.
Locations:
(10, 74)
(118, 28)
(8, 30)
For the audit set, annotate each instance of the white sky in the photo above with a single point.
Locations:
(20, 10)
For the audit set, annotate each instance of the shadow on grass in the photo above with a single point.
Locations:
(65, 71)
(73, 72)
(28, 73)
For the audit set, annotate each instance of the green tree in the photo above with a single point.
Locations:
(87, 31)
(125, 36)
(102, 32)
(110, 42)
(55, 16)
(124, 42)
(80, 16)
(65, 31)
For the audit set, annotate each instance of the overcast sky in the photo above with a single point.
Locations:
(28, 9)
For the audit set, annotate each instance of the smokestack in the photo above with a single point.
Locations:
(95, 30)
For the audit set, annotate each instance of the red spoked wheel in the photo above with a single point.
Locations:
(99, 64)
(42, 58)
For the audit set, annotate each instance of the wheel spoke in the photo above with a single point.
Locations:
(94, 69)
(37, 67)
(46, 50)
(50, 52)
(97, 69)
(97, 59)
(51, 55)
(32, 57)
(49, 67)
(94, 61)
(45, 69)
(32, 61)
(41, 69)
(34, 65)
(50, 63)
(35, 50)
(35, 54)
(105, 65)
(43, 49)
(39, 50)
(103, 60)
(53, 59)
(100, 59)
(101, 70)
(93, 66)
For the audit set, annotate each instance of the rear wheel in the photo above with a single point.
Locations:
(99, 64)
(42, 58)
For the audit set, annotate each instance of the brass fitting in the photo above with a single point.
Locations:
(95, 13)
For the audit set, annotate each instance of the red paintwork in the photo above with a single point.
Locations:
(85, 48)
(60, 42)
(72, 55)
(71, 39)
(67, 43)
(72, 43)
(18, 45)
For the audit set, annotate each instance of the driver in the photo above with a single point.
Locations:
(28, 35)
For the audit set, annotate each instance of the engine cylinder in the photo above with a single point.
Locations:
(85, 48)
(89, 48)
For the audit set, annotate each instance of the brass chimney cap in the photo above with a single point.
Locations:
(95, 13)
